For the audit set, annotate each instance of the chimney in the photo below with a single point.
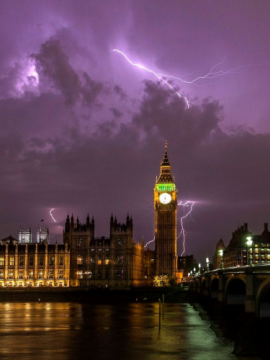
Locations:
(266, 227)
(246, 226)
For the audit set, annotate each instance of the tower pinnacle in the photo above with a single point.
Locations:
(165, 175)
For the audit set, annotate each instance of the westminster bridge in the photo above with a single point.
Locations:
(248, 286)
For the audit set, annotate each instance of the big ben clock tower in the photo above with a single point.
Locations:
(165, 206)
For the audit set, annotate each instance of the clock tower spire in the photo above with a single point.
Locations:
(165, 206)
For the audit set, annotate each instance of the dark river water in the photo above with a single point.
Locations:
(81, 331)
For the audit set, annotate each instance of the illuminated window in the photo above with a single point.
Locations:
(40, 275)
(79, 260)
(1, 274)
(21, 260)
(61, 274)
(31, 260)
(2, 261)
(41, 260)
(11, 260)
(119, 242)
(79, 274)
(31, 274)
(20, 274)
(10, 274)
(92, 249)
(61, 260)
(50, 274)
(99, 260)
(51, 260)
(107, 261)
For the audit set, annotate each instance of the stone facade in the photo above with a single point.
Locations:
(33, 264)
(113, 262)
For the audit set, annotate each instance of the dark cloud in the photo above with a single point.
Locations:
(55, 65)
(91, 89)
(119, 91)
(118, 114)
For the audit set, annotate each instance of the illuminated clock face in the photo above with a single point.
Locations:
(165, 198)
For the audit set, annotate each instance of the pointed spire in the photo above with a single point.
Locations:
(165, 175)
(165, 161)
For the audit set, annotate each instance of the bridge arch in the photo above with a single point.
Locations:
(235, 291)
(263, 300)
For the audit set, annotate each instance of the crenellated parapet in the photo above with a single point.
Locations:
(121, 229)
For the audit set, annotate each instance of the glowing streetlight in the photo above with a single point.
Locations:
(249, 243)
(220, 253)
(207, 264)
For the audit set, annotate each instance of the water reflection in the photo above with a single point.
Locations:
(80, 331)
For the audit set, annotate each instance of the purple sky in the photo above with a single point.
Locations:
(82, 130)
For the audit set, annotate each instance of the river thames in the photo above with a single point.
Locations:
(131, 331)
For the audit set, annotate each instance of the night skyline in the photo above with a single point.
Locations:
(83, 130)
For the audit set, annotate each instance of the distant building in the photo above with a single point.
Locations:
(186, 264)
(25, 236)
(104, 262)
(245, 248)
(43, 235)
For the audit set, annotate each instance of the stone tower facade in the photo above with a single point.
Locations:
(165, 206)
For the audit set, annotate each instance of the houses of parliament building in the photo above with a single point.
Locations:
(84, 260)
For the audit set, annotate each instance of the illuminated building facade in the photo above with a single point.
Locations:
(165, 206)
(43, 235)
(104, 262)
(245, 248)
(84, 260)
(25, 236)
(33, 264)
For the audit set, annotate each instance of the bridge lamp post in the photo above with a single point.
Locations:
(220, 252)
(249, 243)
(207, 264)
(199, 267)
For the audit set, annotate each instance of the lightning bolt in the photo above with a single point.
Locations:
(149, 242)
(182, 231)
(159, 76)
(52, 215)
(213, 73)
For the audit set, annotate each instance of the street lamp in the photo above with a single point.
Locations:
(207, 264)
(199, 265)
(249, 243)
(220, 252)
